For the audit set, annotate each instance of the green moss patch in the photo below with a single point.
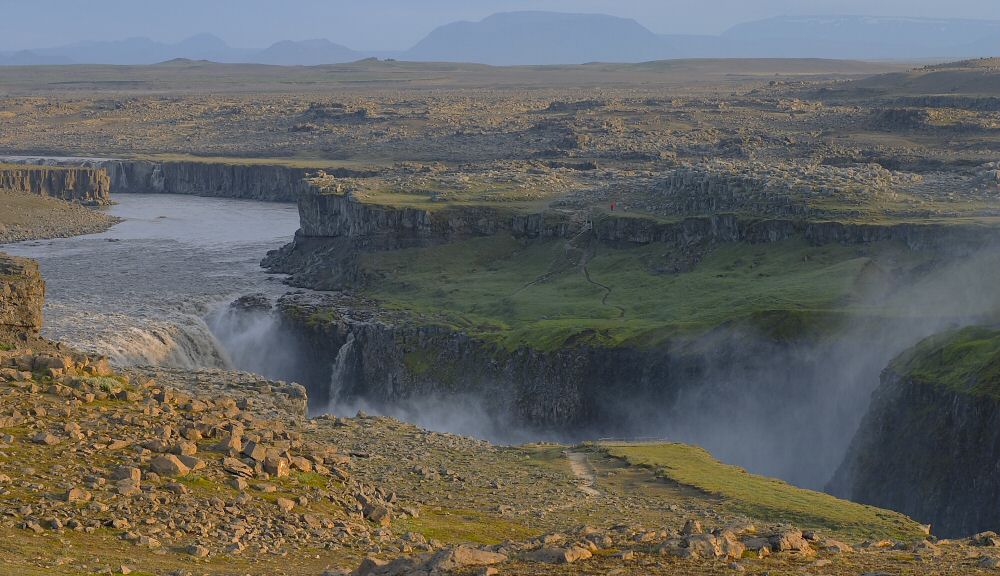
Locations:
(537, 294)
(454, 526)
(762, 498)
(965, 361)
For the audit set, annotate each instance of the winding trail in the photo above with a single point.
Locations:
(559, 266)
(583, 471)
(607, 289)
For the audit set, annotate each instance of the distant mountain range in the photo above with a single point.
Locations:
(542, 38)
(556, 38)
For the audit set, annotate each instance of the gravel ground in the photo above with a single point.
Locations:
(31, 217)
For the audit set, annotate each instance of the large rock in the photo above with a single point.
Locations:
(22, 294)
(169, 465)
(550, 555)
(463, 556)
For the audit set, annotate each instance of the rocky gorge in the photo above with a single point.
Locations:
(88, 186)
(483, 281)
(353, 353)
(226, 178)
(937, 398)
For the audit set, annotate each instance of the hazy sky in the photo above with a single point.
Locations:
(397, 24)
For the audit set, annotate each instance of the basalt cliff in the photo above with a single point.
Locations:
(88, 186)
(232, 179)
(928, 446)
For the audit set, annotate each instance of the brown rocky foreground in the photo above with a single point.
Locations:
(170, 472)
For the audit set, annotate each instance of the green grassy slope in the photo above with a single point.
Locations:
(763, 498)
(546, 293)
(965, 361)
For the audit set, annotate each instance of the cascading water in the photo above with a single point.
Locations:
(180, 341)
(139, 293)
(340, 371)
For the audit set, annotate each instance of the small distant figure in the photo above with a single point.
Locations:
(612, 205)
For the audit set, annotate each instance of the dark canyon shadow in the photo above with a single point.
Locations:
(787, 409)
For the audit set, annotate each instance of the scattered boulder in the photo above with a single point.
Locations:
(462, 557)
(168, 465)
(45, 438)
(550, 555)
(237, 467)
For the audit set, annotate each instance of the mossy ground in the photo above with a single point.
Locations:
(536, 294)
(965, 361)
(760, 497)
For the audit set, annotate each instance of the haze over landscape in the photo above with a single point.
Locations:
(499, 287)
(310, 32)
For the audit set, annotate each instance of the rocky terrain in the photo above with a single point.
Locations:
(727, 260)
(166, 471)
(27, 216)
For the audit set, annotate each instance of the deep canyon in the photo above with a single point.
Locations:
(165, 287)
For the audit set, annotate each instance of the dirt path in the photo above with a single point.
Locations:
(584, 472)
(607, 289)
(582, 256)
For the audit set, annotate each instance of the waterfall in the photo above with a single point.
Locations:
(178, 346)
(183, 341)
(120, 169)
(340, 369)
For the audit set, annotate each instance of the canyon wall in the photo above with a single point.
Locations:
(22, 294)
(388, 363)
(930, 449)
(336, 229)
(251, 181)
(270, 183)
(786, 409)
(88, 186)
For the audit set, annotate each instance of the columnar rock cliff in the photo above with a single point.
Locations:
(248, 181)
(22, 293)
(336, 228)
(388, 363)
(928, 446)
(252, 181)
(90, 186)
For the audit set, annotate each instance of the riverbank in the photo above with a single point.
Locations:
(32, 217)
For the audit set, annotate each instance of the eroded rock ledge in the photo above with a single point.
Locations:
(88, 186)
(928, 446)
(22, 294)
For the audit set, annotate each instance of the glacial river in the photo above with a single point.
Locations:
(140, 291)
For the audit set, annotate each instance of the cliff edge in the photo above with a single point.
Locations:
(88, 186)
(928, 446)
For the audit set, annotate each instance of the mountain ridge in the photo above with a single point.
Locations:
(538, 37)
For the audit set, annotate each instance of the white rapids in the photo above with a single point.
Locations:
(139, 292)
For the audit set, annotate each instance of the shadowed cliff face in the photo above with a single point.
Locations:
(929, 454)
(928, 446)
